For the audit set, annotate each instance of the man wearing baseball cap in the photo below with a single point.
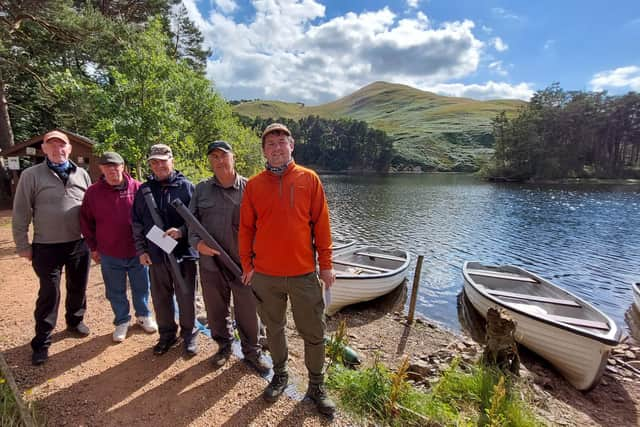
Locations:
(49, 194)
(216, 204)
(167, 184)
(105, 218)
(284, 223)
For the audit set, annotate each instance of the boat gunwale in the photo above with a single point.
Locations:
(612, 338)
(381, 275)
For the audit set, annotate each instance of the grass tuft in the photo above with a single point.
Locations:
(480, 396)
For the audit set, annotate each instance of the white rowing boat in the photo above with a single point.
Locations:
(365, 273)
(566, 330)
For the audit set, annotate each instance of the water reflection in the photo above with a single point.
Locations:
(583, 238)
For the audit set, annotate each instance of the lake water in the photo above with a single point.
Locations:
(585, 238)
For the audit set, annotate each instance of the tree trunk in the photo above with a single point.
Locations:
(6, 134)
(501, 350)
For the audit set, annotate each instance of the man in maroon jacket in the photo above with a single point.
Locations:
(105, 220)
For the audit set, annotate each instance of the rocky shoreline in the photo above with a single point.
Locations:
(92, 381)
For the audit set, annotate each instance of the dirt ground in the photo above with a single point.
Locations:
(93, 382)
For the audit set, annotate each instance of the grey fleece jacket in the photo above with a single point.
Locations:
(54, 207)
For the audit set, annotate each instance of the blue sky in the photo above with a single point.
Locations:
(315, 51)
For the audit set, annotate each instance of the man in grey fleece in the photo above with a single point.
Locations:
(49, 194)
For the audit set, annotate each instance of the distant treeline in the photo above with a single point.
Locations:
(335, 145)
(566, 134)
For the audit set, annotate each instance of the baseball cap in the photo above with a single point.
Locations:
(275, 126)
(56, 134)
(110, 157)
(219, 145)
(160, 152)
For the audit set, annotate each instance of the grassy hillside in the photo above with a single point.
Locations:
(429, 130)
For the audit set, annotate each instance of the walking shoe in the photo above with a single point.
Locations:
(276, 387)
(222, 356)
(164, 345)
(148, 324)
(259, 363)
(40, 356)
(191, 346)
(80, 329)
(121, 332)
(318, 394)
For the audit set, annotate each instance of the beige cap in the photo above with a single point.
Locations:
(160, 152)
(273, 127)
(56, 134)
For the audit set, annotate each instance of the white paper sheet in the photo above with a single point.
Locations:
(165, 243)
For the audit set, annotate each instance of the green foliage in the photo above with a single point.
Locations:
(427, 130)
(9, 413)
(335, 145)
(187, 41)
(148, 98)
(480, 396)
(569, 134)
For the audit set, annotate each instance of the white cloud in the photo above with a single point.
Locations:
(290, 53)
(497, 68)
(226, 6)
(413, 3)
(499, 44)
(622, 77)
(505, 14)
(487, 29)
(489, 90)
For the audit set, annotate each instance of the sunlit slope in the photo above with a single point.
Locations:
(429, 130)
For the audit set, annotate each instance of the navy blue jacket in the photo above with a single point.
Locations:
(176, 187)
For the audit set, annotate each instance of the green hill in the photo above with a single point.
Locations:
(430, 131)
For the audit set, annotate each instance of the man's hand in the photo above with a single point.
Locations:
(205, 249)
(95, 256)
(246, 277)
(328, 277)
(26, 254)
(145, 259)
(174, 233)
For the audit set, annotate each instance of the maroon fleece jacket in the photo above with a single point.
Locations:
(105, 218)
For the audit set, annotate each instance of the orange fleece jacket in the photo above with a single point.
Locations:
(281, 217)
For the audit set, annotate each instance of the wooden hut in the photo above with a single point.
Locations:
(27, 153)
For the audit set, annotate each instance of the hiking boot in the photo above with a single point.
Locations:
(276, 387)
(259, 363)
(222, 356)
(148, 324)
(80, 329)
(318, 394)
(39, 356)
(121, 332)
(164, 345)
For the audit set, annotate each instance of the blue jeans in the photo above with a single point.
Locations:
(114, 273)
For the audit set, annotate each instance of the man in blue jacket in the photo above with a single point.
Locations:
(167, 184)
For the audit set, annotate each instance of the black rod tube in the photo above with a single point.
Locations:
(194, 224)
(155, 215)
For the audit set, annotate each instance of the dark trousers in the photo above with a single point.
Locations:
(48, 260)
(163, 287)
(217, 291)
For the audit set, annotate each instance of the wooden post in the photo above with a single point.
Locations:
(414, 289)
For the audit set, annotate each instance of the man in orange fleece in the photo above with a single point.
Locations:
(284, 220)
